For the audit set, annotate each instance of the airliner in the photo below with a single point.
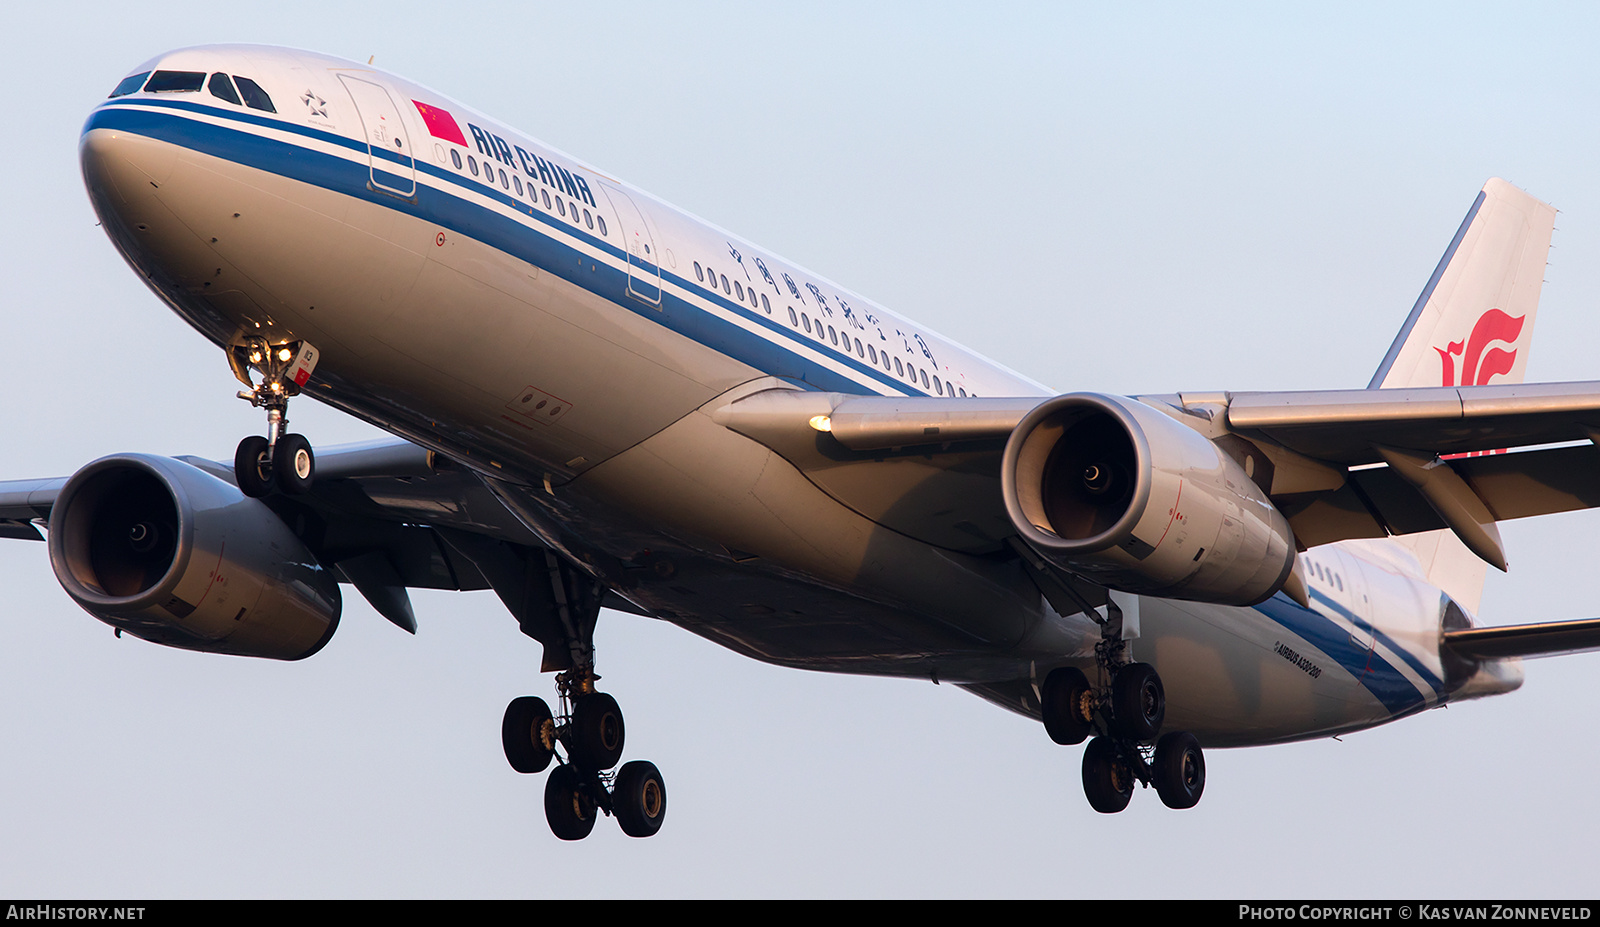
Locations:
(600, 401)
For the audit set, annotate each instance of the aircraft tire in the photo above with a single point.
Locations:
(1179, 770)
(251, 469)
(639, 799)
(293, 464)
(527, 733)
(1107, 780)
(568, 807)
(1138, 702)
(1062, 702)
(597, 732)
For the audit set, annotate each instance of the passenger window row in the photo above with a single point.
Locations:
(1328, 576)
(490, 174)
(827, 334)
(736, 289)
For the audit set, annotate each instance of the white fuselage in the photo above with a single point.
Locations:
(568, 336)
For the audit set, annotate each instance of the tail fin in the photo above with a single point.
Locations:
(1473, 324)
(1484, 292)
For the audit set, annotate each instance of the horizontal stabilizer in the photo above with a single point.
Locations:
(1546, 639)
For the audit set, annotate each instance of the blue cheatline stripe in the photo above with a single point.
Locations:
(384, 154)
(394, 183)
(1427, 292)
(1394, 691)
(241, 116)
(453, 212)
(1411, 659)
(461, 181)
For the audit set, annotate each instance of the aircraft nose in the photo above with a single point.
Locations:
(122, 170)
(127, 176)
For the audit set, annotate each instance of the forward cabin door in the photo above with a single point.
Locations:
(644, 266)
(388, 144)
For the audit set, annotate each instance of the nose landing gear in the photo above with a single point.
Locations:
(280, 460)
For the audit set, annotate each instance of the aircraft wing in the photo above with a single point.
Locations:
(1370, 463)
(1343, 426)
(930, 466)
(22, 502)
(1334, 426)
(384, 516)
(1339, 464)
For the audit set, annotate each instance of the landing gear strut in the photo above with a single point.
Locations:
(1125, 713)
(280, 460)
(585, 735)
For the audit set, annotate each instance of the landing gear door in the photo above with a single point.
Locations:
(388, 144)
(644, 267)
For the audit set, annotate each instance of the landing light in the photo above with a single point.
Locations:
(283, 354)
(821, 423)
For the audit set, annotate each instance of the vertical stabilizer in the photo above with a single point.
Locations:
(1474, 319)
(1473, 325)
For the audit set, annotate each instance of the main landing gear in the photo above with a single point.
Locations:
(1124, 714)
(557, 602)
(581, 788)
(281, 460)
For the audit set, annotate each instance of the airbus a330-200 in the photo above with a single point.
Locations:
(599, 401)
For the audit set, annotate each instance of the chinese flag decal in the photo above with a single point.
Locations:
(440, 123)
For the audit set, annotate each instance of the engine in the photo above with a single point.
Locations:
(1119, 493)
(164, 551)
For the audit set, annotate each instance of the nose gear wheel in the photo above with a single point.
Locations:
(280, 461)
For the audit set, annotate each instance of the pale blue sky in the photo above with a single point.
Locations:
(1132, 199)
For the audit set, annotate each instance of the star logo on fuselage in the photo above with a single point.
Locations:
(315, 105)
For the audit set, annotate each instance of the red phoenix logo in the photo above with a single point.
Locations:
(1480, 361)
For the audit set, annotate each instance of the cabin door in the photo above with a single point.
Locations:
(388, 144)
(644, 263)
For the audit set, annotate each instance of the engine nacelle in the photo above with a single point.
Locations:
(169, 553)
(1115, 491)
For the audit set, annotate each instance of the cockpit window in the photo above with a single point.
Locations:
(222, 88)
(254, 96)
(129, 85)
(175, 81)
